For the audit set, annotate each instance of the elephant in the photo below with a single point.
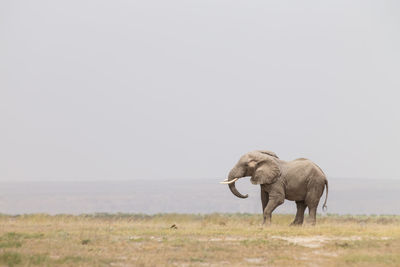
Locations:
(299, 180)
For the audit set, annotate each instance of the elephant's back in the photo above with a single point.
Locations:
(306, 169)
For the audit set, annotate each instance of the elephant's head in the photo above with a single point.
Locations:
(261, 165)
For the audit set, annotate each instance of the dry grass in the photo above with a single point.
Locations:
(197, 240)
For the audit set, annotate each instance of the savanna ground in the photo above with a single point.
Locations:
(197, 240)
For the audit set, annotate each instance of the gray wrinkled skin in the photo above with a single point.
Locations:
(299, 180)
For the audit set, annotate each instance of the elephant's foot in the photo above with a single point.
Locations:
(296, 223)
(265, 224)
(310, 223)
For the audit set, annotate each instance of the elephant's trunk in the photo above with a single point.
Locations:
(234, 174)
(234, 191)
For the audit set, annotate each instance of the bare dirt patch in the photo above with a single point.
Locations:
(318, 240)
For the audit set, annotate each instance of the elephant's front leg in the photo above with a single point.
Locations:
(273, 202)
(264, 198)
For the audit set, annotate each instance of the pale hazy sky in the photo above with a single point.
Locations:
(180, 89)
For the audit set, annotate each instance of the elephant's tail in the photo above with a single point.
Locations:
(325, 207)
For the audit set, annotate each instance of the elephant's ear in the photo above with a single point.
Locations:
(266, 172)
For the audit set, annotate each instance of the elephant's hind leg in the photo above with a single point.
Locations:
(313, 214)
(312, 201)
(301, 207)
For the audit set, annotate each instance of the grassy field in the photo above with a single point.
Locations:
(197, 240)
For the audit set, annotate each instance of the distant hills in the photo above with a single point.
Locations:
(346, 196)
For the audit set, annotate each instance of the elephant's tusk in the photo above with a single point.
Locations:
(229, 182)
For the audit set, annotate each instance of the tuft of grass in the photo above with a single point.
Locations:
(71, 260)
(196, 260)
(386, 259)
(137, 239)
(10, 258)
(15, 240)
(10, 240)
(40, 259)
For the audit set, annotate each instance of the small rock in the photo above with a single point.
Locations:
(85, 241)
